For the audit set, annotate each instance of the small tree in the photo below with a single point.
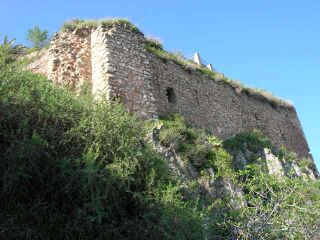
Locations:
(37, 37)
(9, 50)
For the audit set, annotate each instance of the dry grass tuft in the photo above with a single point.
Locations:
(106, 22)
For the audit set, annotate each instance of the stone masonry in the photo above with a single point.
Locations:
(115, 63)
(121, 69)
(67, 62)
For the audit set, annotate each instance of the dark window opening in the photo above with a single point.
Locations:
(171, 95)
(196, 97)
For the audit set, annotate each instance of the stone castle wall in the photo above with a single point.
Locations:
(116, 64)
(67, 62)
(221, 109)
(121, 67)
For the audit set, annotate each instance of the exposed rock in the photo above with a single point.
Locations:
(273, 163)
(208, 183)
(217, 187)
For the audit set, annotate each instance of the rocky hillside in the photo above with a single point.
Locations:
(194, 155)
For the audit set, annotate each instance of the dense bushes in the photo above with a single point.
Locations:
(195, 146)
(260, 205)
(253, 141)
(74, 169)
(269, 208)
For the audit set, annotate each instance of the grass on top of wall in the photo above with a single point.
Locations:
(189, 65)
(105, 22)
(155, 46)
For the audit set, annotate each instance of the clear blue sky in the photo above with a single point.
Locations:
(269, 44)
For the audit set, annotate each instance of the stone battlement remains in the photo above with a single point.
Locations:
(115, 63)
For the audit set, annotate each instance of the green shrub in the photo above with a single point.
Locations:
(265, 206)
(195, 146)
(306, 164)
(273, 208)
(279, 207)
(196, 154)
(286, 155)
(253, 141)
(174, 131)
(9, 50)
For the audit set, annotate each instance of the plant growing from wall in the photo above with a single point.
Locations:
(155, 43)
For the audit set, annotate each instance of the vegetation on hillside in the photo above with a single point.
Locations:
(37, 38)
(74, 168)
(9, 50)
(268, 207)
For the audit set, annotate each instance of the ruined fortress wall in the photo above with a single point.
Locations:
(121, 62)
(70, 59)
(144, 81)
(221, 109)
(116, 64)
(67, 62)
